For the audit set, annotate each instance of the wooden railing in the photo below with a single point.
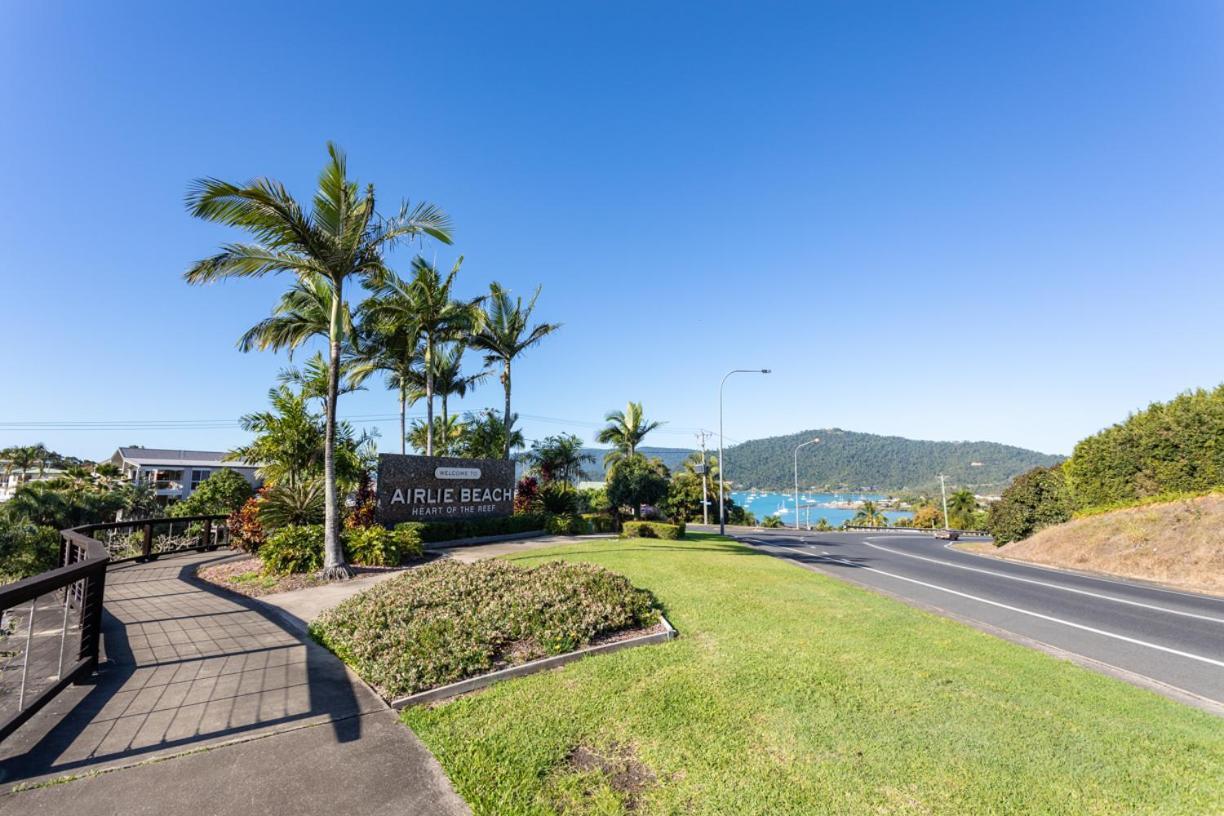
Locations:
(51, 623)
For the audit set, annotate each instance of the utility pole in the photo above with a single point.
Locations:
(944, 492)
(705, 493)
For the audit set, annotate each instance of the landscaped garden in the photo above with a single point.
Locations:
(792, 693)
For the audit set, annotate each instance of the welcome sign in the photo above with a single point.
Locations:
(435, 488)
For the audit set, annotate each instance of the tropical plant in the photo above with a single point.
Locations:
(223, 492)
(961, 506)
(558, 498)
(341, 239)
(772, 523)
(449, 379)
(293, 549)
(393, 348)
(424, 305)
(291, 503)
(635, 480)
(484, 436)
(504, 334)
(446, 437)
(625, 431)
(558, 458)
(870, 515)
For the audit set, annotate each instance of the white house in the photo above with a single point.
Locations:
(11, 479)
(174, 474)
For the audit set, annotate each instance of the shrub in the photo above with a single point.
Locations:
(293, 548)
(435, 531)
(26, 549)
(408, 539)
(1034, 500)
(651, 529)
(593, 500)
(245, 531)
(373, 546)
(771, 522)
(447, 620)
(526, 495)
(558, 499)
(599, 523)
(364, 511)
(286, 504)
(225, 491)
(567, 524)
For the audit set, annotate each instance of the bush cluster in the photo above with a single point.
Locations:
(598, 523)
(447, 620)
(1034, 500)
(652, 529)
(299, 548)
(434, 531)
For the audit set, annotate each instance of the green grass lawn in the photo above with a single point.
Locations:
(792, 693)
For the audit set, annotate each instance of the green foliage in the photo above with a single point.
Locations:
(625, 431)
(225, 491)
(869, 514)
(652, 529)
(599, 523)
(565, 524)
(1171, 447)
(772, 523)
(379, 547)
(295, 548)
(558, 498)
(484, 435)
(558, 458)
(289, 504)
(432, 532)
(62, 502)
(26, 549)
(634, 480)
(447, 620)
(1034, 500)
(849, 460)
(593, 500)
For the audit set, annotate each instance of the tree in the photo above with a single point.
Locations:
(870, 515)
(22, 459)
(425, 305)
(341, 239)
(223, 492)
(961, 506)
(446, 437)
(635, 480)
(625, 431)
(448, 377)
(394, 349)
(484, 436)
(558, 458)
(504, 336)
(1034, 500)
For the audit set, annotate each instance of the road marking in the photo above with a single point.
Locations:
(1046, 584)
(1050, 618)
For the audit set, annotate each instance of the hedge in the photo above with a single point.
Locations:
(652, 529)
(435, 531)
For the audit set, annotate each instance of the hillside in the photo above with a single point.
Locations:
(1179, 543)
(849, 460)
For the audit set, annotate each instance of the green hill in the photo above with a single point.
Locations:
(845, 460)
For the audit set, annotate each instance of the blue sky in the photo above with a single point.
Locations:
(944, 221)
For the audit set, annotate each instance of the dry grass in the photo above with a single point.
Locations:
(1178, 543)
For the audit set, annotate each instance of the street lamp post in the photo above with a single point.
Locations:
(722, 465)
(944, 492)
(800, 445)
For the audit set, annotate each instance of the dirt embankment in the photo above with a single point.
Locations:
(1179, 544)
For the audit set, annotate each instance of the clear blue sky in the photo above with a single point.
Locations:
(944, 221)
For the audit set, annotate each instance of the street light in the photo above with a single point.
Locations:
(722, 465)
(800, 445)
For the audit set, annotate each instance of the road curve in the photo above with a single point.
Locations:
(1171, 642)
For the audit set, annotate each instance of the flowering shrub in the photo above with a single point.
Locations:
(446, 621)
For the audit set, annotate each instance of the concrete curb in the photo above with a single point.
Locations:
(474, 683)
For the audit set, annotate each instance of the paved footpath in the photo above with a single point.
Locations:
(211, 703)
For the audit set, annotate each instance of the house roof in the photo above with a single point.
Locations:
(164, 457)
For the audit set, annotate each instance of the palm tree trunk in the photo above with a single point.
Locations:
(445, 437)
(333, 554)
(429, 428)
(403, 419)
(506, 415)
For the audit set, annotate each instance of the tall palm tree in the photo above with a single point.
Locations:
(504, 335)
(341, 239)
(22, 458)
(447, 435)
(426, 302)
(625, 431)
(449, 379)
(392, 350)
(870, 515)
(961, 506)
(559, 458)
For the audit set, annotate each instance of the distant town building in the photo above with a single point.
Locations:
(12, 478)
(175, 474)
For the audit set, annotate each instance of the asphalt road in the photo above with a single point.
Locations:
(1169, 641)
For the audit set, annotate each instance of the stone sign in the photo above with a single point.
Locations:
(424, 488)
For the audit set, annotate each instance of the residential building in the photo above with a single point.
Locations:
(175, 474)
(10, 480)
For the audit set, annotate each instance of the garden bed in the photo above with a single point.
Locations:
(448, 622)
(246, 577)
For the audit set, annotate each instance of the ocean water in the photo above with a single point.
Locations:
(811, 505)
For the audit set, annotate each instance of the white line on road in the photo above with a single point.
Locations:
(1046, 584)
(1102, 632)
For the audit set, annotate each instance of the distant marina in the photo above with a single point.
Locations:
(835, 508)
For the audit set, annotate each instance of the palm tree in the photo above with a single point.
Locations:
(504, 336)
(559, 458)
(447, 435)
(625, 431)
(22, 459)
(449, 379)
(425, 302)
(870, 515)
(484, 435)
(961, 506)
(341, 239)
(311, 379)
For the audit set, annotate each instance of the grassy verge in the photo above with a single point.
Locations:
(792, 693)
